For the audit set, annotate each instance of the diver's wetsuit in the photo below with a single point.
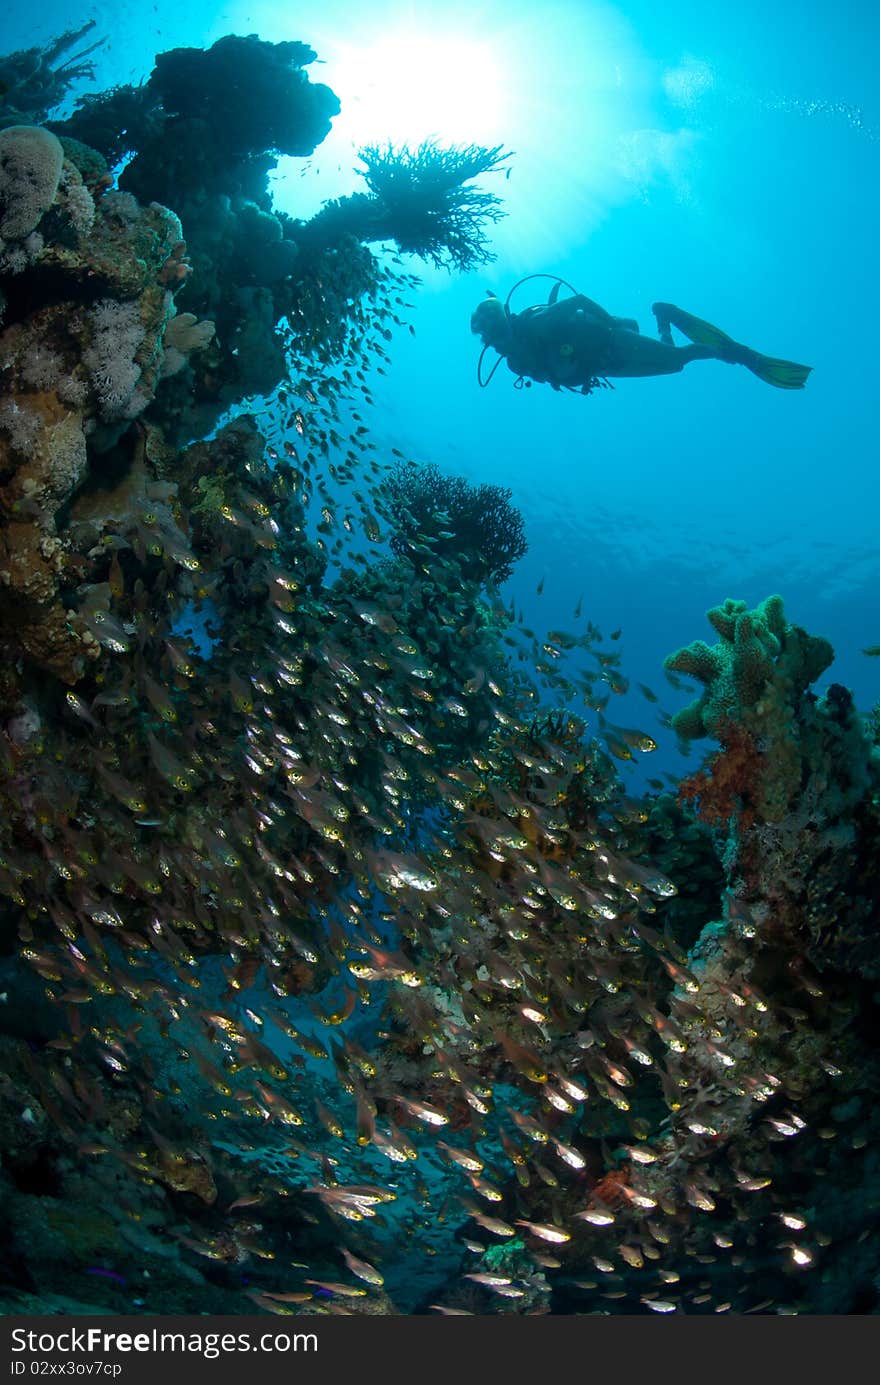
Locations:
(575, 342)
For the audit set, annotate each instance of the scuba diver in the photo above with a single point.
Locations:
(572, 343)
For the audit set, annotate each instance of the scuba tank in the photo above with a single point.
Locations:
(523, 382)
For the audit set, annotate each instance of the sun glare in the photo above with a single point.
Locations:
(561, 84)
(417, 85)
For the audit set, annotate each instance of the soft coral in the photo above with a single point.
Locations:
(730, 785)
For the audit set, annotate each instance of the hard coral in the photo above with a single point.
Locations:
(423, 193)
(30, 167)
(79, 364)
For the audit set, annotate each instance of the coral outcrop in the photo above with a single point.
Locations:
(205, 132)
(86, 299)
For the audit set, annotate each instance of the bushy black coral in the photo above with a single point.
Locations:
(420, 199)
(475, 526)
(425, 196)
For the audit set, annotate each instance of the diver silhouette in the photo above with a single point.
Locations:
(573, 343)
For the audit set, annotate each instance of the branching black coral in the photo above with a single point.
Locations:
(419, 198)
(474, 525)
(425, 193)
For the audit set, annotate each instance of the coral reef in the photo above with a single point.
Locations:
(210, 120)
(30, 170)
(79, 364)
(795, 780)
(329, 935)
(205, 131)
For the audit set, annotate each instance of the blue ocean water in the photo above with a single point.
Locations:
(721, 159)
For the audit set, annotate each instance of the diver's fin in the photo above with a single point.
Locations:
(554, 292)
(785, 375)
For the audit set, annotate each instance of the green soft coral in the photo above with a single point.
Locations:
(760, 663)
